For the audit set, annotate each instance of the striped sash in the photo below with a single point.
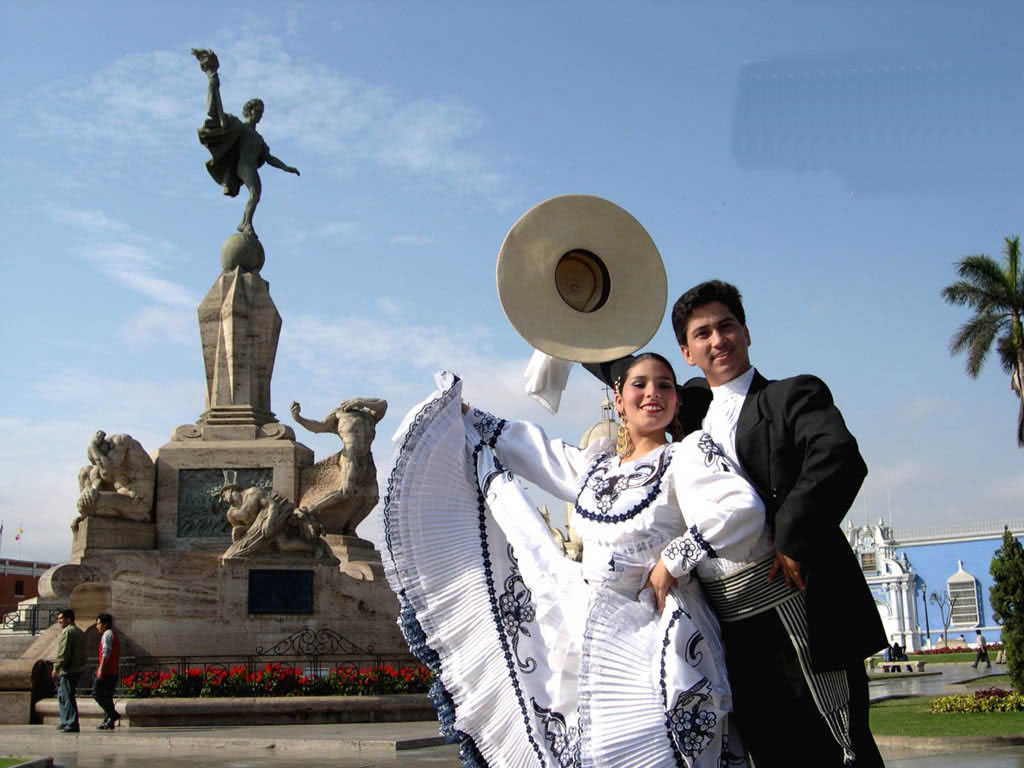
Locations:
(748, 592)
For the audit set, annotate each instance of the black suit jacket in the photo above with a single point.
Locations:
(794, 446)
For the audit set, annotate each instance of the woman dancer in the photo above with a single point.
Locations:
(541, 661)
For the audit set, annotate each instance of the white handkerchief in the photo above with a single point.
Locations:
(546, 377)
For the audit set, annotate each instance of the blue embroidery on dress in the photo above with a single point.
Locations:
(687, 549)
(511, 661)
(692, 728)
(702, 541)
(408, 622)
(563, 740)
(606, 490)
(683, 550)
(489, 427)
(727, 758)
(713, 455)
(517, 611)
(693, 654)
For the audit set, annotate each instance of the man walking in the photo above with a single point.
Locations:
(67, 669)
(795, 666)
(982, 651)
(107, 671)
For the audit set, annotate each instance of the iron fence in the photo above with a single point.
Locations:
(32, 619)
(310, 653)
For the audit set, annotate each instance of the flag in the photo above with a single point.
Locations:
(17, 536)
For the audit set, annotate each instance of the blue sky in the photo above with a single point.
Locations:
(832, 159)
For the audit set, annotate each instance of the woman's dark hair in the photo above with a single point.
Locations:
(621, 368)
(106, 620)
(699, 296)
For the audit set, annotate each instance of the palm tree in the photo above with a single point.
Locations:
(996, 294)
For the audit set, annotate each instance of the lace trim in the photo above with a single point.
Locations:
(410, 626)
(608, 489)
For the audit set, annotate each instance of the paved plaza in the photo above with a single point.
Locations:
(388, 745)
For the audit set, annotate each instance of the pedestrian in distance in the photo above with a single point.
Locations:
(67, 669)
(982, 652)
(105, 682)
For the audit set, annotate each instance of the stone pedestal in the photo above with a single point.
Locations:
(239, 326)
(103, 533)
(190, 473)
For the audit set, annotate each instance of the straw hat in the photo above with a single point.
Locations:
(580, 279)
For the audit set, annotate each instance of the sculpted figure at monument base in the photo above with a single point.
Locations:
(264, 522)
(342, 489)
(119, 481)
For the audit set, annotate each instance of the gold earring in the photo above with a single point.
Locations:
(623, 442)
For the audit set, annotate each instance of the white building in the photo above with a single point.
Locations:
(892, 580)
(965, 599)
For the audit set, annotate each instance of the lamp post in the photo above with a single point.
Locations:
(927, 625)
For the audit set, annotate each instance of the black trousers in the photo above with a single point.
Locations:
(103, 693)
(778, 720)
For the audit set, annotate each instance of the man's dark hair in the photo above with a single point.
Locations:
(106, 620)
(67, 613)
(699, 296)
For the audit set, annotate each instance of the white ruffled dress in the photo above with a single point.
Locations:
(541, 661)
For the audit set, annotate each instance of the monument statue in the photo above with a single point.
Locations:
(264, 522)
(237, 150)
(119, 480)
(342, 489)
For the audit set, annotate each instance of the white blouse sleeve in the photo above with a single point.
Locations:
(525, 450)
(723, 513)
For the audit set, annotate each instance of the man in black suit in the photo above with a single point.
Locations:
(798, 618)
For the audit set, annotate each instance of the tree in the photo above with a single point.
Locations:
(1007, 599)
(996, 294)
(946, 604)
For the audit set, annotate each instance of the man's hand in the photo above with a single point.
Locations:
(53, 674)
(661, 581)
(790, 569)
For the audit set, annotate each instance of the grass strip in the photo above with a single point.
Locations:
(7, 762)
(943, 658)
(911, 717)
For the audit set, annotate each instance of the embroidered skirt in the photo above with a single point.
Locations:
(534, 666)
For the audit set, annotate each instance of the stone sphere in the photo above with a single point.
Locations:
(243, 251)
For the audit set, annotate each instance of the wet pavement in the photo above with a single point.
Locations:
(97, 757)
(374, 745)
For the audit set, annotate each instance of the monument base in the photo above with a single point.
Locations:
(190, 472)
(195, 604)
(102, 533)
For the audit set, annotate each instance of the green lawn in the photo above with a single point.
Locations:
(944, 658)
(7, 762)
(989, 681)
(910, 717)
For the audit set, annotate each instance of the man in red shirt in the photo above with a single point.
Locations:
(107, 671)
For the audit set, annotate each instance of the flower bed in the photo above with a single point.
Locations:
(992, 648)
(276, 680)
(985, 700)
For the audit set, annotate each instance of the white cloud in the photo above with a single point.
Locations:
(389, 306)
(1004, 492)
(413, 240)
(156, 324)
(94, 222)
(134, 261)
(339, 229)
(158, 99)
